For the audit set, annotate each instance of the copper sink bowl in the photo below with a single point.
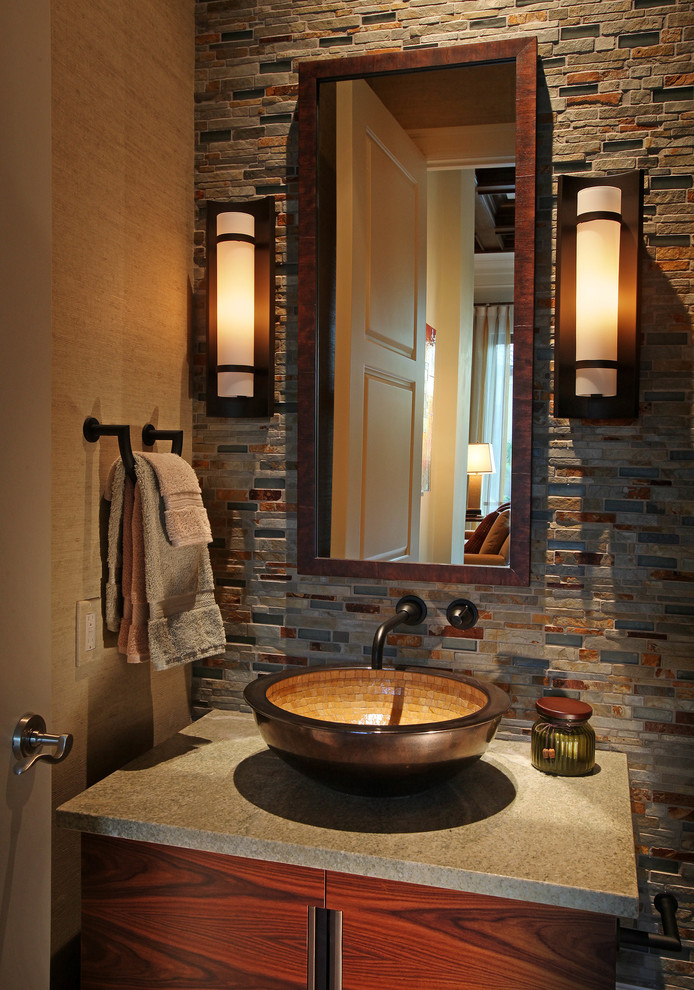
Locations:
(396, 730)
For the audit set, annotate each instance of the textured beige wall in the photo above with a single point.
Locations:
(122, 254)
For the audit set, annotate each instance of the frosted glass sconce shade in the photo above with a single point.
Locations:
(596, 341)
(235, 303)
(240, 312)
(597, 289)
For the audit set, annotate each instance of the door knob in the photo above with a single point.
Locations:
(29, 736)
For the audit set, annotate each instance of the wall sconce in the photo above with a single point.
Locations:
(240, 307)
(596, 372)
(480, 460)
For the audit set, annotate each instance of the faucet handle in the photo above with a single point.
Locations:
(462, 613)
(415, 608)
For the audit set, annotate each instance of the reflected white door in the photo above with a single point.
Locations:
(25, 289)
(380, 332)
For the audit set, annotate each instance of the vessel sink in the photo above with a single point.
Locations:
(396, 730)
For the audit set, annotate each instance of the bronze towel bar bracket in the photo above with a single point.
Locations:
(93, 430)
(150, 435)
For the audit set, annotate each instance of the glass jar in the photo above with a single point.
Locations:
(562, 740)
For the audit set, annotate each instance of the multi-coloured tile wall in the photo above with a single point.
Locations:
(608, 613)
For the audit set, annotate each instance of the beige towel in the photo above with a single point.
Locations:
(173, 614)
(185, 623)
(185, 516)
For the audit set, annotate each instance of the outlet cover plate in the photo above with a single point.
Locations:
(89, 633)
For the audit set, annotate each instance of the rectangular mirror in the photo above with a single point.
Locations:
(416, 290)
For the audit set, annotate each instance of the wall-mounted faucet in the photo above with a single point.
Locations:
(410, 610)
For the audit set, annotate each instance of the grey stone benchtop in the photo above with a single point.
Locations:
(500, 828)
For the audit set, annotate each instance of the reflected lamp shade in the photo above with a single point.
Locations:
(596, 340)
(240, 307)
(480, 458)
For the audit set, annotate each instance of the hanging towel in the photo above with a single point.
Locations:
(133, 640)
(126, 602)
(115, 491)
(172, 617)
(138, 635)
(127, 564)
(184, 513)
(185, 623)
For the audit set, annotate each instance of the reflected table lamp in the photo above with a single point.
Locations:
(480, 460)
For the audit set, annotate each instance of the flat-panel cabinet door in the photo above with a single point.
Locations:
(158, 916)
(397, 935)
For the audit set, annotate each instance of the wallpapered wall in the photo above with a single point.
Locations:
(607, 615)
(122, 233)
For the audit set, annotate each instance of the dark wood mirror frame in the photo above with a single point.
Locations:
(524, 53)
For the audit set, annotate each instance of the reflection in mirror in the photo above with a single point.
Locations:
(411, 316)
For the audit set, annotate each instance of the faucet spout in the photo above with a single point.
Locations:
(410, 611)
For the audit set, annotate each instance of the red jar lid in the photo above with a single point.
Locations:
(566, 709)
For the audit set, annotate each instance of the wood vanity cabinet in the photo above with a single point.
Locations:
(403, 935)
(157, 916)
(164, 917)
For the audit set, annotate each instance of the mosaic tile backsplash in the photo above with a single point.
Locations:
(608, 614)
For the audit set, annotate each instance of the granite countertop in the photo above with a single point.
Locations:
(500, 828)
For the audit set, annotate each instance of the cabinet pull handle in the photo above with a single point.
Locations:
(317, 961)
(335, 941)
(324, 949)
(311, 949)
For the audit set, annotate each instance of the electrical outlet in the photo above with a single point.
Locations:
(88, 630)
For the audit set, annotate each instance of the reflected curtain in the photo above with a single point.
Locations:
(491, 397)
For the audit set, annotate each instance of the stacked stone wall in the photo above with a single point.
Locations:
(607, 616)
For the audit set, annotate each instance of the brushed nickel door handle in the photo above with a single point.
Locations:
(30, 736)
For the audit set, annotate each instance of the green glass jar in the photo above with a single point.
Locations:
(563, 741)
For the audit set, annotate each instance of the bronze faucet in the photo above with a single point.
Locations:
(410, 610)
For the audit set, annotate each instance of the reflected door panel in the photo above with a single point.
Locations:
(392, 290)
(387, 495)
(379, 331)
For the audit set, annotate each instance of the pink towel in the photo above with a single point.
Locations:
(185, 516)
(132, 636)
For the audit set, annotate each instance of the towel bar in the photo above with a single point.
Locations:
(150, 435)
(93, 430)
